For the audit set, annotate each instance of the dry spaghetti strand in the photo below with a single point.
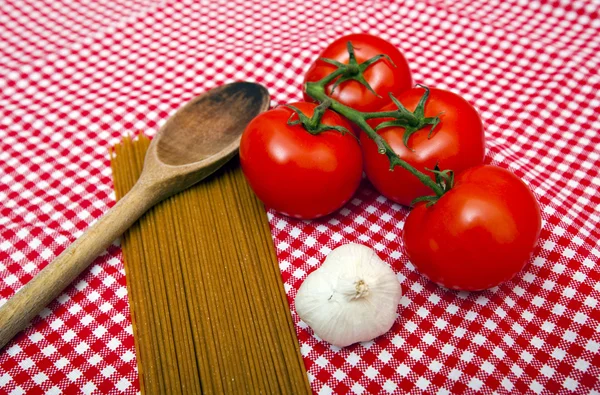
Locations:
(208, 307)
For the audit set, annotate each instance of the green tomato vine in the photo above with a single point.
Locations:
(410, 121)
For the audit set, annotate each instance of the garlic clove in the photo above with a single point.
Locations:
(352, 297)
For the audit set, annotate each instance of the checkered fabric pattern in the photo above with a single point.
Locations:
(77, 76)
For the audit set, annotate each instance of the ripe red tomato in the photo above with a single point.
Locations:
(477, 235)
(457, 143)
(381, 76)
(297, 173)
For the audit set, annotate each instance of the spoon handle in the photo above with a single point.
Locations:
(19, 310)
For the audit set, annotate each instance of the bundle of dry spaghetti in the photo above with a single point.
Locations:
(209, 311)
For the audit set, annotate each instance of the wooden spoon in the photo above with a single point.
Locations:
(198, 139)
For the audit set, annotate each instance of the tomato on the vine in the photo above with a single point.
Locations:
(478, 234)
(298, 173)
(457, 143)
(382, 76)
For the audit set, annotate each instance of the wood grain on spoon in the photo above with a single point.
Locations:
(197, 140)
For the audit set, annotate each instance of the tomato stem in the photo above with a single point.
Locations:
(313, 124)
(382, 114)
(353, 70)
(316, 90)
(410, 121)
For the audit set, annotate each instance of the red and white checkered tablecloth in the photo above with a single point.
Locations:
(77, 76)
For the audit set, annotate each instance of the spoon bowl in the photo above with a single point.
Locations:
(193, 124)
(197, 140)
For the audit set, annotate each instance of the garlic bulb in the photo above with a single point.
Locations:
(351, 298)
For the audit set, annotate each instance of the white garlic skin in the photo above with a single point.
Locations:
(352, 297)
